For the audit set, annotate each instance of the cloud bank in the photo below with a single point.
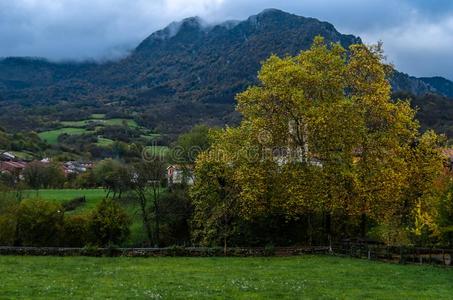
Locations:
(417, 34)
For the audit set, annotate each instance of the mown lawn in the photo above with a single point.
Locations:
(308, 277)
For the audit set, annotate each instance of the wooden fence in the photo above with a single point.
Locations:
(397, 254)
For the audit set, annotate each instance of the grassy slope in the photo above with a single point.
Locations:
(308, 277)
(52, 136)
(103, 122)
(103, 142)
(79, 127)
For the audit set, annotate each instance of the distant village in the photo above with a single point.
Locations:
(10, 163)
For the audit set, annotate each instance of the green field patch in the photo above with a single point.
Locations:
(97, 116)
(51, 136)
(96, 123)
(100, 122)
(150, 136)
(93, 196)
(119, 122)
(103, 142)
(23, 155)
(303, 277)
(78, 124)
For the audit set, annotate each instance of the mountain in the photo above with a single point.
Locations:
(184, 74)
(443, 86)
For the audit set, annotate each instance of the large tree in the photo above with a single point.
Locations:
(320, 134)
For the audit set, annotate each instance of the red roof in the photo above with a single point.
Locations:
(12, 165)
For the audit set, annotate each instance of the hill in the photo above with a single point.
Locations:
(184, 74)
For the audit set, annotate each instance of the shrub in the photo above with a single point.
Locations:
(7, 229)
(176, 251)
(269, 250)
(109, 224)
(8, 208)
(39, 223)
(91, 250)
(75, 231)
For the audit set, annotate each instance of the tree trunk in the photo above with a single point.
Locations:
(329, 230)
(156, 214)
(146, 221)
(363, 225)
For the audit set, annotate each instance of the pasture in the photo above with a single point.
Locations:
(92, 125)
(51, 136)
(303, 277)
(93, 196)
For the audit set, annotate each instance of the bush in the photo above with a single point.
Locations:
(109, 224)
(7, 230)
(8, 208)
(176, 251)
(75, 231)
(39, 223)
(269, 250)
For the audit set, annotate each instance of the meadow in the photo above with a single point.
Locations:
(96, 121)
(93, 196)
(304, 277)
(51, 136)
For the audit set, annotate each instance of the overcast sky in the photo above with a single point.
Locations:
(417, 34)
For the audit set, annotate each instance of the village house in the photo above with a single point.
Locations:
(74, 167)
(7, 156)
(13, 167)
(8, 163)
(178, 174)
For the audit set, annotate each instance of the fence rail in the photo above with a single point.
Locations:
(397, 254)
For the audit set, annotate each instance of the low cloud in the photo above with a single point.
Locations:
(417, 34)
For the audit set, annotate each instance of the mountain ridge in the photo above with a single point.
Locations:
(188, 72)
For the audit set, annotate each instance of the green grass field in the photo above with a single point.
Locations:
(93, 196)
(103, 142)
(80, 127)
(100, 121)
(97, 116)
(307, 277)
(23, 154)
(51, 136)
(112, 122)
